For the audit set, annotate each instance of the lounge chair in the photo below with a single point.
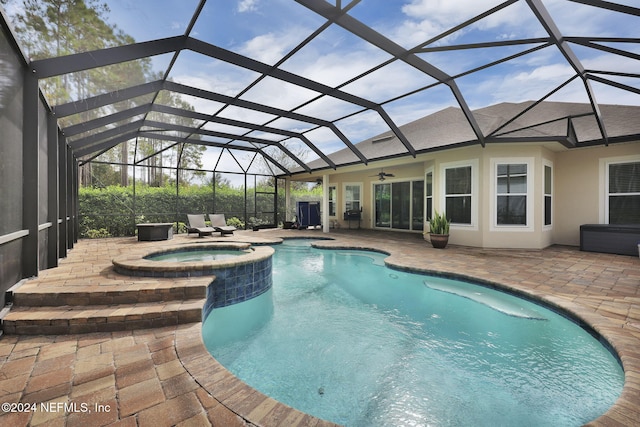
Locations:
(197, 225)
(219, 223)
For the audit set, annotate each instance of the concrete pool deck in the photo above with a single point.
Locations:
(156, 371)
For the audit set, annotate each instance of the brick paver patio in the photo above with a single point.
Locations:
(158, 373)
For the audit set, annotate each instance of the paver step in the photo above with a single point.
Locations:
(111, 292)
(101, 318)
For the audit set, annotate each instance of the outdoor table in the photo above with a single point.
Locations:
(155, 231)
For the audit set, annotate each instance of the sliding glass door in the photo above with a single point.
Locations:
(417, 205)
(382, 196)
(399, 205)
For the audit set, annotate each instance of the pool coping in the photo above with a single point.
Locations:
(135, 262)
(260, 409)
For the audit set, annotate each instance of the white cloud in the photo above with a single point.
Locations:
(246, 115)
(546, 73)
(271, 47)
(612, 62)
(334, 58)
(247, 6)
(518, 86)
(328, 108)
(426, 19)
(446, 12)
(223, 84)
(278, 94)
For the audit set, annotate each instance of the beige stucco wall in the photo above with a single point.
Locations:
(534, 235)
(577, 190)
(367, 177)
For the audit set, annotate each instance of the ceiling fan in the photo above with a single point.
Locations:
(382, 175)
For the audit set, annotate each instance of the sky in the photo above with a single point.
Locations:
(267, 30)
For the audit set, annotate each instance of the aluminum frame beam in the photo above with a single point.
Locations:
(541, 12)
(56, 66)
(335, 13)
(231, 122)
(339, 17)
(87, 60)
(211, 144)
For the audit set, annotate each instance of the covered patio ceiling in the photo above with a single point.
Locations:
(284, 84)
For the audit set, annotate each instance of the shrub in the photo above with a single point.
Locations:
(115, 209)
(98, 234)
(236, 222)
(179, 227)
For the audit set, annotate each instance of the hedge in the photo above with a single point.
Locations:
(113, 210)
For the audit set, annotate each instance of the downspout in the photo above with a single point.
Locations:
(287, 199)
(325, 203)
(178, 185)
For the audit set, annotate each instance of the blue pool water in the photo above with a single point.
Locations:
(348, 340)
(196, 255)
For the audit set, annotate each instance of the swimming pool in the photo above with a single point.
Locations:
(346, 339)
(203, 254)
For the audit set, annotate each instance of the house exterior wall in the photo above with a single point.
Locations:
(580, 188)
(577, 190)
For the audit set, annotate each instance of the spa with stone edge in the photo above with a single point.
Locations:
(239, 271)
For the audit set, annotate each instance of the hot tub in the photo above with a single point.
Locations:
(243, 273)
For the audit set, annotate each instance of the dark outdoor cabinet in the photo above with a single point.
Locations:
(610, 238)
(308, 214)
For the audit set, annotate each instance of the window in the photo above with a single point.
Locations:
(417, 207)
(548, 188)
(382, 198)
(401, 205)
(352, 197)
(333, 195)
(429, 194)
(511, 192)
(623, 192)
(458, 194)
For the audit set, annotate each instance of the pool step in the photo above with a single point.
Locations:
(103, 302)
(108, 292)
(100, 318)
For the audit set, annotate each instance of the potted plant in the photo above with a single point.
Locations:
(439, 230)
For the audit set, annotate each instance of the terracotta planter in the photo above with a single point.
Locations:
(439, 241)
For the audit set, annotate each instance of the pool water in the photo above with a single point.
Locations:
(196, 255)
(348, 340)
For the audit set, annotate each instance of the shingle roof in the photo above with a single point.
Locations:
(534, 122)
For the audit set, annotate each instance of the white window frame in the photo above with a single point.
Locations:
(493, 210)
(426, 213)
(473, 163)
(344, 193)
(334, 201)
(547, 164)
(604, 182)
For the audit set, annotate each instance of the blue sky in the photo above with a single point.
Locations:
(266, 30)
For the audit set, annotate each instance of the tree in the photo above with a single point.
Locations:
(51, 28)
(220, 181)
(286, 161)
(189, 155)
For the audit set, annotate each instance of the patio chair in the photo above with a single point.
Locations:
(197, 225)
(219, 223)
